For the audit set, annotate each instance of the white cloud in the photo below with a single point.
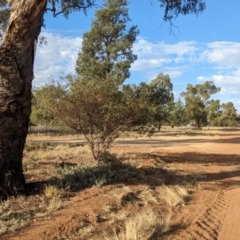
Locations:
(183, 61)
(175, 72)
(230, 87)
(229, 83)
(144, 48)
(161, 57)
(224, 57)
(236, 104)
(145, 64)
(57, 58)
(226, 54)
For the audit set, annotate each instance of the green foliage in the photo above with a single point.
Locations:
(92, 103)
(161, 98)
(153, 101)
(177, 115)
(101, 112)
(222, 115)
(238, 120)
(176, 7)
(66, 7)
(213, 112)
(197, 102)
(142, 101)
(40, 115)
(107, 48)
(228, 117)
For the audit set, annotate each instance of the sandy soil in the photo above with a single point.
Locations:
(211, 213)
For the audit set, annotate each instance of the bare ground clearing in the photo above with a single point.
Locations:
(207, 166)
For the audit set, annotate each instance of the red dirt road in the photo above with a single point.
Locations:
(213, 212)
(218, 219)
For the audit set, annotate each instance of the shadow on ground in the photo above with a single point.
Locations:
(200, 158)
(75, 177)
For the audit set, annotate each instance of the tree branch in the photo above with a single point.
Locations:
(64, 9)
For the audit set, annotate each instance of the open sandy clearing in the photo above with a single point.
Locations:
(209, 165)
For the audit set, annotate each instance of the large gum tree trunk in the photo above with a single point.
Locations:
(16, 75)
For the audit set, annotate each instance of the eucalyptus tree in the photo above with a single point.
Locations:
(228, 117)
(154, 101)
(213, 112)
(197, 101)
(177, 114)
(24, 21)
(39, 114)
(161, 98)
(16, 75)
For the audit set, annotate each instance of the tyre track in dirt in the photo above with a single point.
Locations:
(231, 229)
(220, 220)
(208, 225)
(217, 219)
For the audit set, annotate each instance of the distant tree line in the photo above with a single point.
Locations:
(96, 103)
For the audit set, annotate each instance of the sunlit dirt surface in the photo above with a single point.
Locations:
(208, 165)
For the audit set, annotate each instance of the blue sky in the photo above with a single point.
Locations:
(195, 49)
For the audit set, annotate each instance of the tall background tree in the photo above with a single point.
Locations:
(177, 115)
(107, 48)
(162, 98)
(197, 101)
(154, 102)
(228, 117)
(16, 73)
(213, 112)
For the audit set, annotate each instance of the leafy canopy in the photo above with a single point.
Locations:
(153, 101)
(197, 100)
(172, 8)
(107, 48)
(177, 114)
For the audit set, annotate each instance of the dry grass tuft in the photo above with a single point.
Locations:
(10, 220)
(147, 196)
(39, 151)
(54, 203)
(142, 226)
(174, 195)
(181, 191)
(51, 191)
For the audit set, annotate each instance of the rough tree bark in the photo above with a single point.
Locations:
(16, 75)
